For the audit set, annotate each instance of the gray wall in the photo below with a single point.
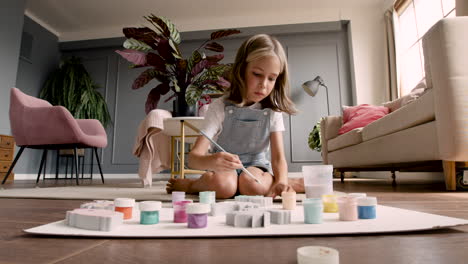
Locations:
(11, 25)
(44, 56)
(313, 49)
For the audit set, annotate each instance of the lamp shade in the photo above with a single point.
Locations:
(310, 87)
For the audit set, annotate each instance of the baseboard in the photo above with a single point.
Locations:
(428, 176)
(158, 176)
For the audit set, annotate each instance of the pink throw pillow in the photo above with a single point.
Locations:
(361, 116)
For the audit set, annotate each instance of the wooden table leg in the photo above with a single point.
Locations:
(182, 149)
(172, 156)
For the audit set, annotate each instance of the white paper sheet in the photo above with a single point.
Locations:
(389, 219)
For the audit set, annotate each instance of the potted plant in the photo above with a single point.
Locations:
(314, 138)
(158, 51)
(71, 86)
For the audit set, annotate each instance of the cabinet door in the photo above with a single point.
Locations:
(311, 55)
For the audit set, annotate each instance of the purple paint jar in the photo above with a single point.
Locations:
(198, 215)
(180, 214)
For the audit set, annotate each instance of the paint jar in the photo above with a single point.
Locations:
(317, 255)
(125, 206)
(198, 215)
(347, 208)
(177, 196)
(180, 214)
(357, 195)
(149, 212)
(367, 207)
(288, 200)
(318, 180)
(207, 197)
(329, 203)
(313, 210)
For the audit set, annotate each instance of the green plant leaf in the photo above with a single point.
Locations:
(144, 34)
(223, 33)
(134, 44)
(193, 60)
(314, 140)
(165, 26)
(71, 86)
(214, 46)
(192, 94)
(144, 78)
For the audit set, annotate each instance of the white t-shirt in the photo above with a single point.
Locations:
(214, 118)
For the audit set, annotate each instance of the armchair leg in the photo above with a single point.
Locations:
(57, 165)
(99, 164)
(13, 164)
(44, 155)
(75, 161)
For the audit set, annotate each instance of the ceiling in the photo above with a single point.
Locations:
(92, 19)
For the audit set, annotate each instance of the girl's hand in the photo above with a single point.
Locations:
(223, 161)
(277, 188)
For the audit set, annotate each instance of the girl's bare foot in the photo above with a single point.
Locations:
(297, 184)
(180, 185)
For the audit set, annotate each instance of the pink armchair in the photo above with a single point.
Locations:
(36, 124)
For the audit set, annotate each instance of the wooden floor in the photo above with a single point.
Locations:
(438, 246)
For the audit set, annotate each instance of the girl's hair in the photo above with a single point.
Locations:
(254, 48)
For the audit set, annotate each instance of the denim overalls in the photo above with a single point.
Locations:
(246, 133)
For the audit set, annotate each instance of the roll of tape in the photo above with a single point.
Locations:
(317, 255)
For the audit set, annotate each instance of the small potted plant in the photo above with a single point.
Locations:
(158, 51)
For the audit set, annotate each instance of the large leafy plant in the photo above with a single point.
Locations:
(158, 50)
(314, 138)
(71, 86)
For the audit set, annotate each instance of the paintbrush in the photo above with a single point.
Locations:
(220, 148)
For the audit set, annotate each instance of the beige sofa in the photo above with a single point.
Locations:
(430, 133)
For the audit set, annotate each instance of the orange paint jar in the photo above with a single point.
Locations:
(125, 206)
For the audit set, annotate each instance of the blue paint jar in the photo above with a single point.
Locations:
(149, 212)
(313, 210)
(207, 197)
(367, 207)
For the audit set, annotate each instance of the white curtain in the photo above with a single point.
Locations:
(391, 73)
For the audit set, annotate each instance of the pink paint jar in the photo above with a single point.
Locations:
(180, 214)
(198, 215)
(348, 208)
(288, 200)
(125, 206)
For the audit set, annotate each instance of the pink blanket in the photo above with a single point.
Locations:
(152, 146)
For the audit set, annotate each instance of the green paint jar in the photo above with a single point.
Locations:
(149, 212)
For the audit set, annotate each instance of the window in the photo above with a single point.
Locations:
(416, 17)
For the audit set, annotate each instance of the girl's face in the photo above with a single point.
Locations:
(260, 78)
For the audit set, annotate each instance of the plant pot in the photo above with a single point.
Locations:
(181, 108)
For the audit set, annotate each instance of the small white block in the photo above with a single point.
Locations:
(94, 219)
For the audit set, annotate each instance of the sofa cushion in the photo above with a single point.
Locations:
(360, 116)
(353, 137)
(418, 112)
(415, 93)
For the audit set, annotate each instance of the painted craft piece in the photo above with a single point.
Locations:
(94, 219)
(280, 217)
(257, 199)
(99, 204)
(248, 218)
